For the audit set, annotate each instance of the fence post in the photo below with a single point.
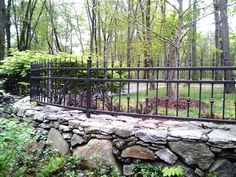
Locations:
(88, 90)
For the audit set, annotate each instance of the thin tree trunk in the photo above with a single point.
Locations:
(217, 38)
(8, 25)
(99, 30)
(2, 28)
(194, 38)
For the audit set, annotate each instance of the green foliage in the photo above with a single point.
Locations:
(20, 155)
(13, 135)
(212, 174)
(149, 170)
(17, 67)
(173, 171)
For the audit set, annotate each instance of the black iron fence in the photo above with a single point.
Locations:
(205, 93)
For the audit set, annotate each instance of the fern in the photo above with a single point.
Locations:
(173, 171)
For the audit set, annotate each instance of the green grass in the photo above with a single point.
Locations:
(194, 95)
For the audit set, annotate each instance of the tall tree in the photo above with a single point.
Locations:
(2, 28)
(218, 55)
(194, 39)
(230, 88)
(8, 24)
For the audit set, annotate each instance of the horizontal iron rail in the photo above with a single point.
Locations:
(138, 68)
(139, 80)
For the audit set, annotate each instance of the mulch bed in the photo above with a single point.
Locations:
(181, 103)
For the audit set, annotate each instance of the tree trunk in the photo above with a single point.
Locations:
(8, 25)
(129, 48)
(194, 38)
(217, 39)
(229, 88)
(2, 29)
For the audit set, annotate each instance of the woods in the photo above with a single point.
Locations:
(131, 28)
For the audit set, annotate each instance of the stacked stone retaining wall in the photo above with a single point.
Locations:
(199, 147)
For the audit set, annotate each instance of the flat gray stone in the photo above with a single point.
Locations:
(67, 136)
(166, 155)
(53, 108)
(38, 116)
(151, 136)
(124, 132)
(186, 133)
(65, 119)
(77, 140)
(199, 172)
(53, 117)
(193, 153)
(75, 123)
(44, 126)
(223, 138)
(79, 132)
(64, 128)
(57, 141)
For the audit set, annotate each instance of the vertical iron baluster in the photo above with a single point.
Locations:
(83, 89)
(70, 74)
(235, 109)
(60, 81)
(120, 60)
(76, 71)
(223, 99)
(147, 84)
(128, 95)
(48, 81)
(97, 88)
(212, 88)
(88, 91)
(41, 80)
(189, 76)
(56, 91)
(64, 84)
(200, 88)
(32, 65)
(177, 89)
(112, 76)
(52, 81)
(167, 84)
(105, 62)
(44, 80)
(157, 84)
(137, 93)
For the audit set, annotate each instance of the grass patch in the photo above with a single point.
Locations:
(194, 95)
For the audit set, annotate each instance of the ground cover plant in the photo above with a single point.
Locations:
(20, 155)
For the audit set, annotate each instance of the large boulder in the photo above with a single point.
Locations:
(193, 153)
(57, 141)
(97, 150)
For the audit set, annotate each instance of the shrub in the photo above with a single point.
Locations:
(17, 67)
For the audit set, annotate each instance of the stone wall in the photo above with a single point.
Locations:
(199, 147)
